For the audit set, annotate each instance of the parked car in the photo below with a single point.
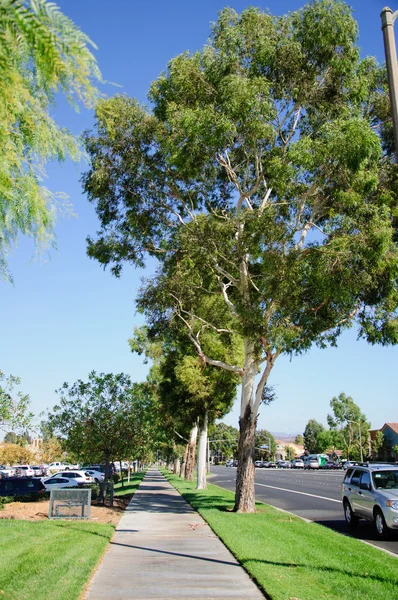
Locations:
(257, 463)
(284, 464)
(97, 475)
(20, 486)
(264, 464)
(235, 463)
(330, 464)
(311, 463)
(37, 471)
(348, 464)
(371, 492)
(229, 463)
(298, 463)
(81, 477)
(271, 465)
(57, 482)
(23, 471)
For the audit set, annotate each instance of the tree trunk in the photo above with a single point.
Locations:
(176, 466)
(121, 473)
(190, 464)
(184, 461)
(244, 497)
(201, 482)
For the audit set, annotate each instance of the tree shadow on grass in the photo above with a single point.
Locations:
(75, 527)
(321, 568)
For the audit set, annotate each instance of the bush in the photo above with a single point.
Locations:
(115, 477)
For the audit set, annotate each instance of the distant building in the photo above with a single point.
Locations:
(390, 433)
(281, 446)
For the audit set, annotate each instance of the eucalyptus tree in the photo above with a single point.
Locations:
(260, 177)
(41, 53)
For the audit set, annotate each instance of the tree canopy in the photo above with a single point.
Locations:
(14, 405)
(261, 180)
(105, 418)
(41, 53)
(350, 424)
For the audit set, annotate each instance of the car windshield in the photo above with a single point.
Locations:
(387, 480)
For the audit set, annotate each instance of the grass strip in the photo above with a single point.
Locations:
(44, 560)
(291, 559)
(129, 488)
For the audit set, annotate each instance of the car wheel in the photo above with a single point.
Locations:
(350, 518)
(97, 480)
(380, 524)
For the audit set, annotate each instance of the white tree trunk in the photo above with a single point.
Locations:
(201, 482)
(190, 463)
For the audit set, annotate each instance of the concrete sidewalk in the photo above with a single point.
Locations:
(163, 549)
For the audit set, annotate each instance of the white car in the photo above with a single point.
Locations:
(81, 477)
(23, 471)
(56, 483)
(298, 464)
(97, 475)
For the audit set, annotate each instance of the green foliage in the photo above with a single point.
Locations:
(299, 439)
(14, 405)
(104, 419)
(311, 432)
(265, 438)
(258, 179)
(262, 180)
(41, 53)
(350, 424)
(377, 443)
(290, 453)
(223, 440)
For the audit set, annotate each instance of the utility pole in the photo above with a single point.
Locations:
(387, 26)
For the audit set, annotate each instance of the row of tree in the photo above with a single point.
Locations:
(262, 180)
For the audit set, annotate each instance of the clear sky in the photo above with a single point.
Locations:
(65, 316)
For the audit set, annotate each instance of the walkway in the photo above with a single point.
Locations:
(163, 549)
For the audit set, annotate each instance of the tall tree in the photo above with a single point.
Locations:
(259, 179)
(350, 424)
(14, 405)
(41, 53)
(311, 433)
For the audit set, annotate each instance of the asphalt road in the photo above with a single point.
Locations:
(314, 495)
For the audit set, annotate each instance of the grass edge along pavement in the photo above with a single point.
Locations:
(289, 558)
(53, 559)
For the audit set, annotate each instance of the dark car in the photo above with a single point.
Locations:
(271, 465)
(20, 486)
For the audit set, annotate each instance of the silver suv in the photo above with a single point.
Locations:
(370, 491)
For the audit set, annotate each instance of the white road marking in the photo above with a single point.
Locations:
(296, 492)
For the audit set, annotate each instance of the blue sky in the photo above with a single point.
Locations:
(65, 316)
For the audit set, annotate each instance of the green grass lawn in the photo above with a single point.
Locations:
(291, 559)
(49, 559)
(52, 560)
(129, 488)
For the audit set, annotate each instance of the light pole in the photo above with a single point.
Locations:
(360, 437)
(387, 26)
